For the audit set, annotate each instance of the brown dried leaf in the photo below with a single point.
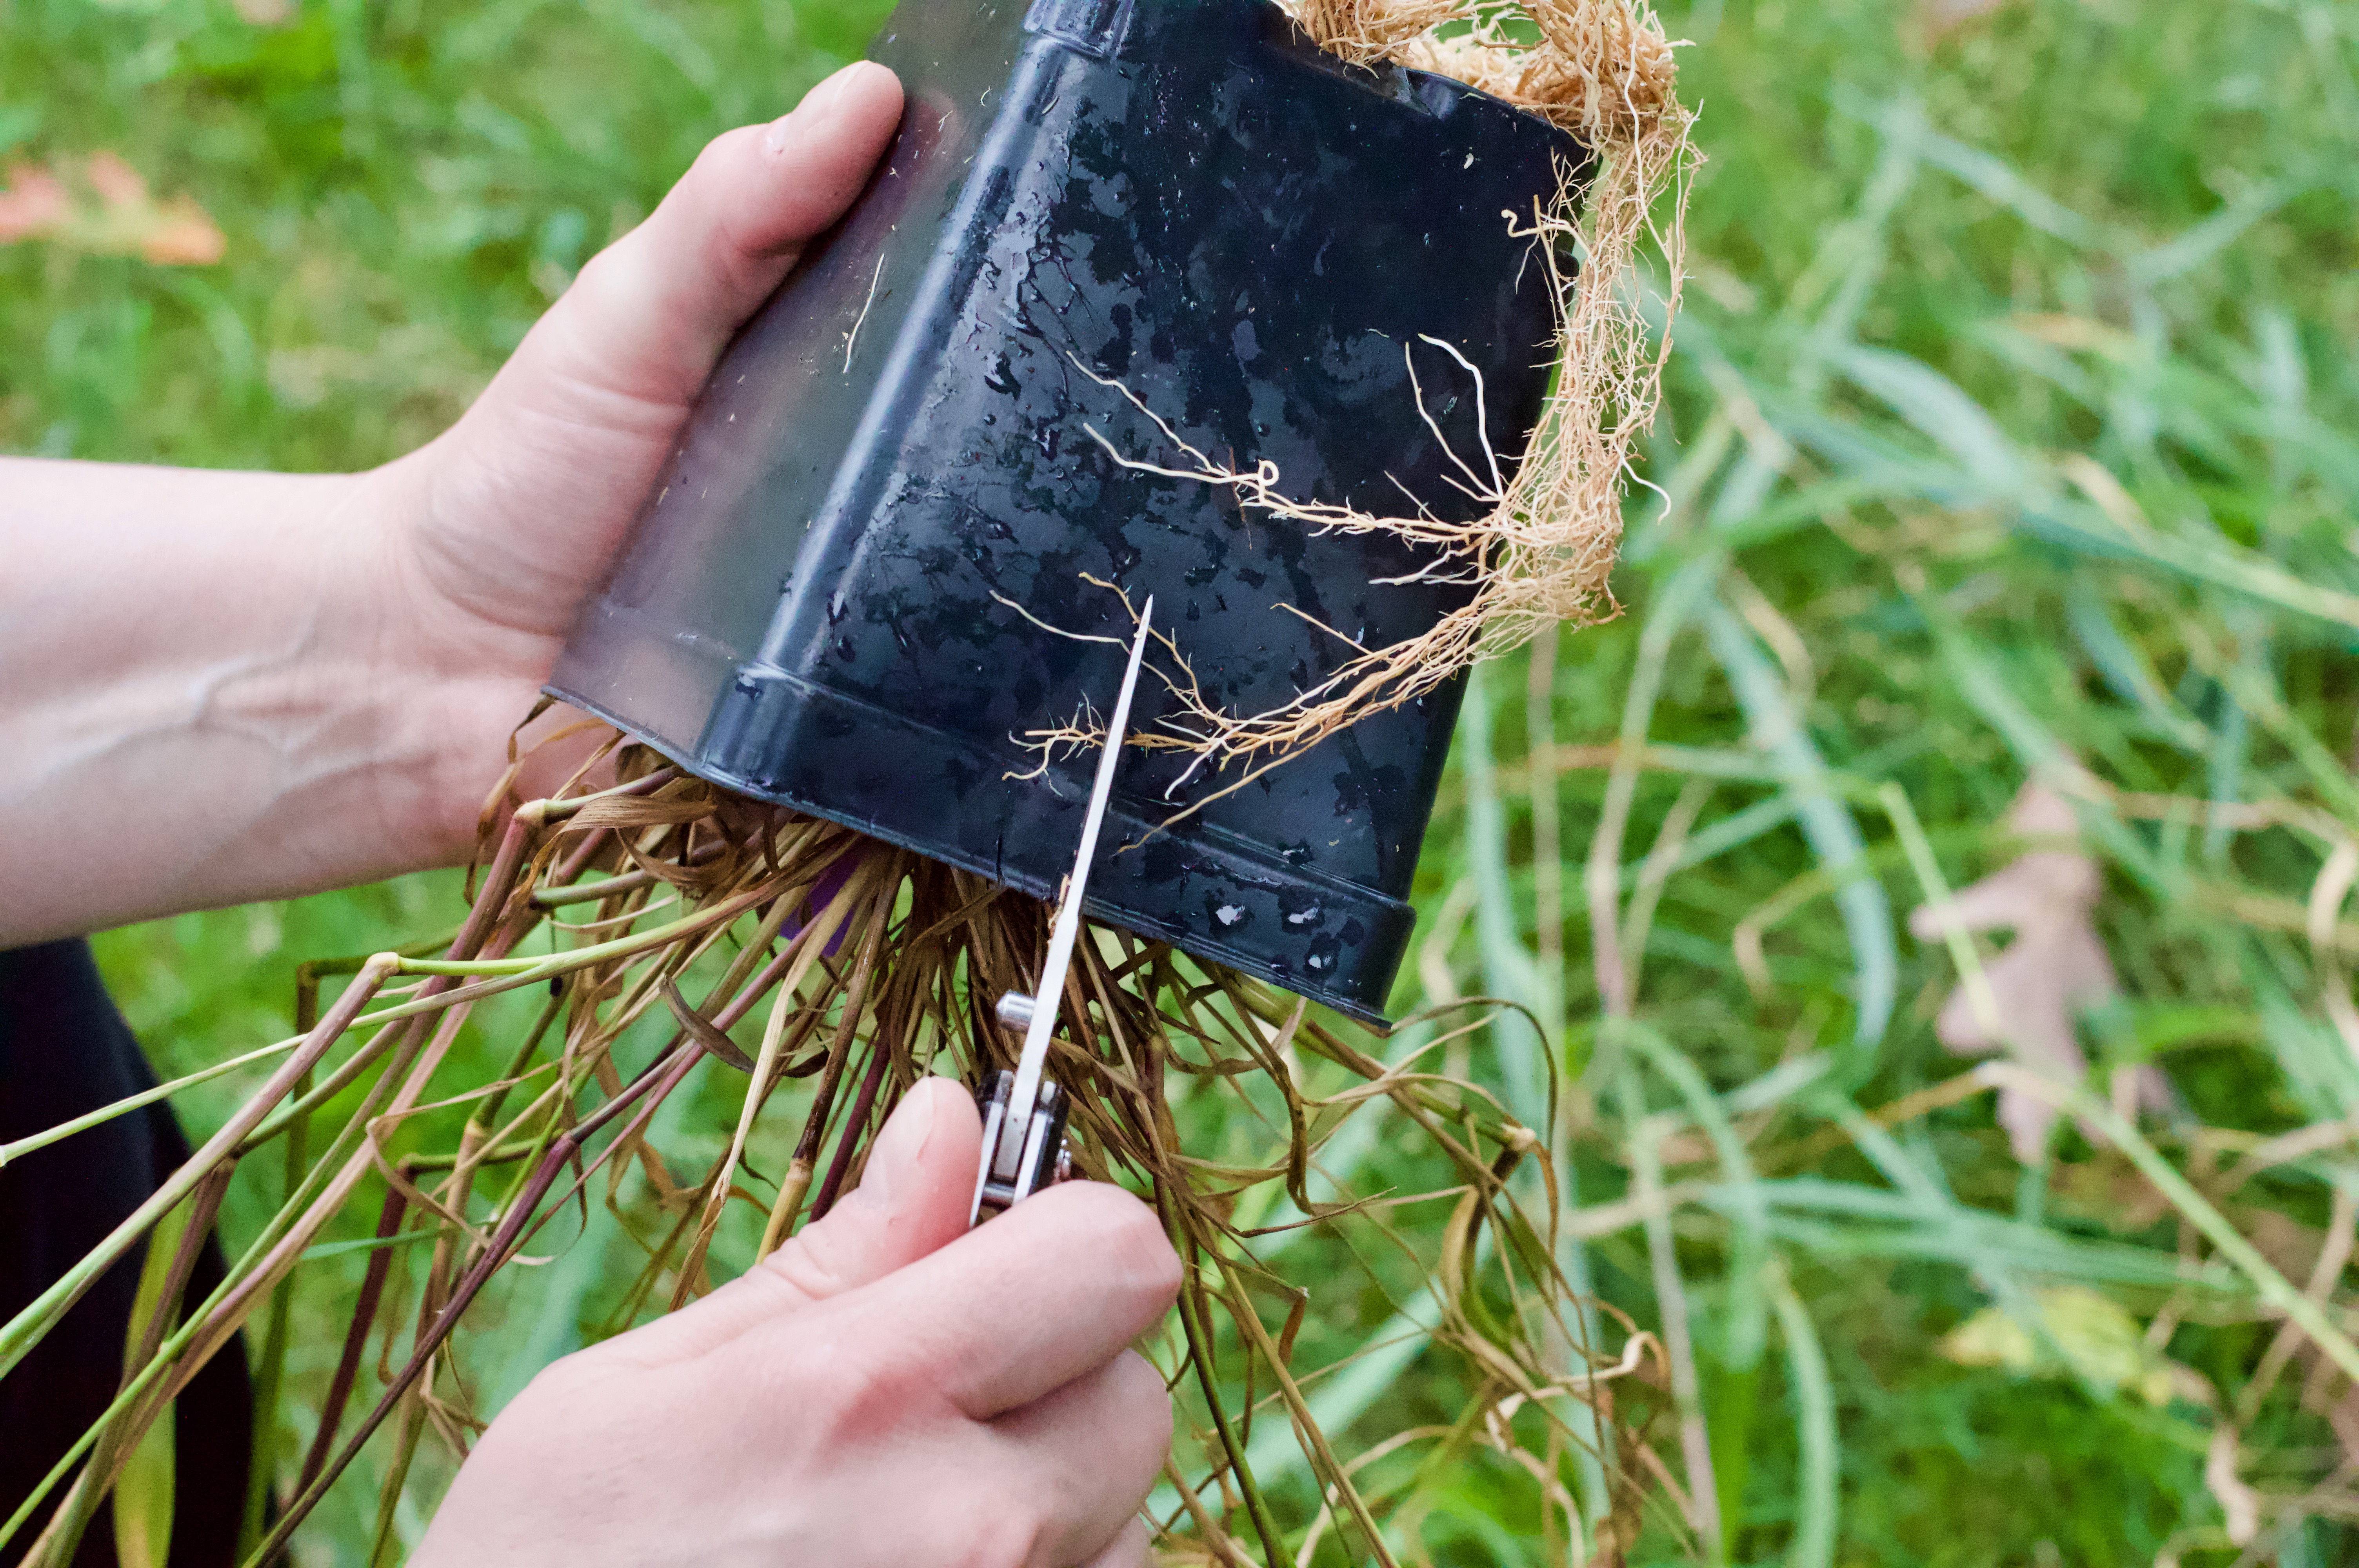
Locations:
(104, 208)
(702, 1030)
(33, 205)
(2054, 969)
(1941, 17)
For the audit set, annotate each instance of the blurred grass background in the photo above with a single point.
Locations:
(2010, 434)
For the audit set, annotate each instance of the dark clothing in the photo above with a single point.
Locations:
(65, 1051)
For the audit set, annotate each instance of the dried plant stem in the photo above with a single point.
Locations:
(665, 872)
(26, 1328)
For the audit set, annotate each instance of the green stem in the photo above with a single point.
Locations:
(26, 1328)
(270, 1374)
(2273, 1287)
(315, 1095)
(10, 1153)
(388, 1507)
(1200, 1355)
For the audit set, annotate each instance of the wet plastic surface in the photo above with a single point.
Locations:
(1187, 197)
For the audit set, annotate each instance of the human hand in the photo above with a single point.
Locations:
(886, 1389)
(496, 532)
(270, 684)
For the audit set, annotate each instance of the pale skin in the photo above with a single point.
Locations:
(227, 687)
(886, 1389)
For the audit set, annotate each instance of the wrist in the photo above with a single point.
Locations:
(444, 688)
(191, 667)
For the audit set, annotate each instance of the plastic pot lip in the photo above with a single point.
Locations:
(1095, 905)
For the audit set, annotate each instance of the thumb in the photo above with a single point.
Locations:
(912, 1199)
(530, 494)
(649, 315)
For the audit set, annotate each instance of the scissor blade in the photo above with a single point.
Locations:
(1068, 927)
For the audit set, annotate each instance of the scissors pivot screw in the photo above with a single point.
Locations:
(1023, 1112)
(1043, 1159)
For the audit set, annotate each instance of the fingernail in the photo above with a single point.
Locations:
(816, 105)
(899, 1147)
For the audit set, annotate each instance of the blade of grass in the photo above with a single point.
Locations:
(1833, 836)
(1817, 1522)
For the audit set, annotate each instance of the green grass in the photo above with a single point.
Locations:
(1955, 297)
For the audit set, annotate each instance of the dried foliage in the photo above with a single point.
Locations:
(104, 206)
(857, 968)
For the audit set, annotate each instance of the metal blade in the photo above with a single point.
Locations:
(1068, 927)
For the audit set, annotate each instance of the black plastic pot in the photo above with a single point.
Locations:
(1187, 197)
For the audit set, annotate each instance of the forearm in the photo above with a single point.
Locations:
(202, 702)
(220, 687)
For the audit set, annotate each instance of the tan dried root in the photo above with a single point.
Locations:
(1543, 548)
(1601, 69)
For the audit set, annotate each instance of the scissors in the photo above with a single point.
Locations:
(1023, 1112)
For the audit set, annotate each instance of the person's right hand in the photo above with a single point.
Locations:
(886, 1389)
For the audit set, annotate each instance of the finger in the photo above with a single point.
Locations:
(1094, 1449)
(533, 487)
(648, 316)
(912, 1198)
(1052, 1289)
(1132, 1549)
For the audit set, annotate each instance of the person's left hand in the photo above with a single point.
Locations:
(498, 530)
(269, 684)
